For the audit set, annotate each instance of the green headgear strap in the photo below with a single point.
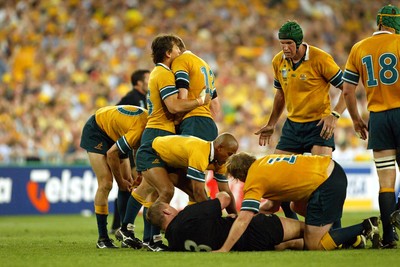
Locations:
(389, 16)
(291, 30)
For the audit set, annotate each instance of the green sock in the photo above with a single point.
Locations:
(102, 225)
(147, 228)
(123, 197)
(346, 235)
(133, 208)
(387, 203)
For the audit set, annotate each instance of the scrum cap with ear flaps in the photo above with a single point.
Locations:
(291, 30)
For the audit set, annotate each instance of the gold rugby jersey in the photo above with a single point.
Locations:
(194, 74)
(306, 88)
(123, 124)
(283, 178)
(195, 154)
(376, 61)
(161, 86)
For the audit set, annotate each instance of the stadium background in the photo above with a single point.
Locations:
(62, 60)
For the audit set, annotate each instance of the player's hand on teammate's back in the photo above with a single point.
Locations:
(207, 99)
(265, 134)
(205, 95)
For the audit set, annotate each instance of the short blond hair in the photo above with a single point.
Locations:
(155, 213)
(238, 165)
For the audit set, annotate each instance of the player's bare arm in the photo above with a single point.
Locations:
(267, 130)
(360, 126)
(113, 160)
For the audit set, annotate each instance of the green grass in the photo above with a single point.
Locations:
(69, 240)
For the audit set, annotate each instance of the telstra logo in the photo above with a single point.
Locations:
(44, 189)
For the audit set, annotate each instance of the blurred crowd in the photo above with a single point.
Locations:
(60, 60)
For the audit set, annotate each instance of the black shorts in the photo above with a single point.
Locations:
(384, 130)
(263, 233)
(299, 138)
(325, 205)
(199, 126)
(146, 156)
(94, 139)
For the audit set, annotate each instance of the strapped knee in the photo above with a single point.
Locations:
(385, 163)
(327, 242)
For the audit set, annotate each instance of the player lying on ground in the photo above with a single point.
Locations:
(201, 227)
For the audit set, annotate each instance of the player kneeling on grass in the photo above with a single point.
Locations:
(201, 227)
(190, 155)
(317, 180)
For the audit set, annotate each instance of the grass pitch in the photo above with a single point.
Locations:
(70, 240)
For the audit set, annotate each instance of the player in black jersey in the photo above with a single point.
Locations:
(201, 227)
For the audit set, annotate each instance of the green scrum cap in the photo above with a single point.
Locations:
(291, 30)
(389, 16)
